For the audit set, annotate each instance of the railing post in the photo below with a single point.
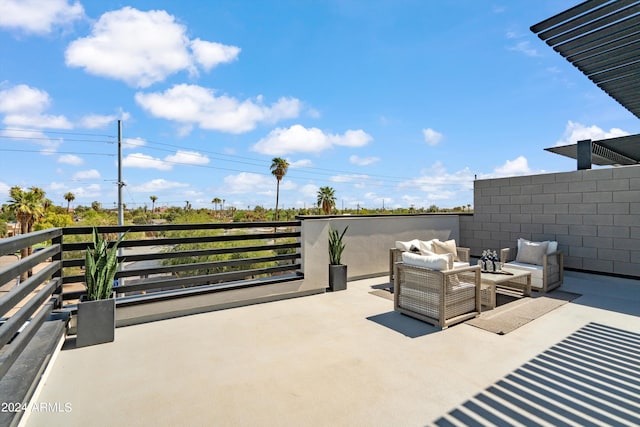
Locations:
(57, 241)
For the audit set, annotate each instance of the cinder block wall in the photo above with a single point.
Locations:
(593, 214)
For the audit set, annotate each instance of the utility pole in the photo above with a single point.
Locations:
(120, 182)
(120, 185)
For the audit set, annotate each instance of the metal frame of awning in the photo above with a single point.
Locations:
(620, 151)
(602, 39)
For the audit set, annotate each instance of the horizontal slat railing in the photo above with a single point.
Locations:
(26, 305)
(182, 260)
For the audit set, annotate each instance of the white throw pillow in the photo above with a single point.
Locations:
(432, 262)
(426, 246)
(448, 247)
(406, 246)
(532, 252)
(551, 248)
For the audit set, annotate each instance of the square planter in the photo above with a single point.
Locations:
(96, 322)
(337, 277)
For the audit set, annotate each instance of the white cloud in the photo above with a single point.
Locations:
(24, 106)
(439, 184)
(187, 158)
(518, 166)
(38, 16)
(349, 178)
(247, 182)
(88, 174)
(210, 54)
(197, 105)
(303, 163)
(146, 46)
(21, 99)
(133, 143)
(97, 121)
(575, 132)
(363, 161)
(49, 146)
(4, 189)
(297, 138)
(525, 48)
(91, 191)
(55, 186)
(70, 159)
(156, 185)
(431, 137)
(144, 161)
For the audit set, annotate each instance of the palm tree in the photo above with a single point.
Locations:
(69, 197)
(326, 199)
(153, 203)
(216, 201)
(279, 167)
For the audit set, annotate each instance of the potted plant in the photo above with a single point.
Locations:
(97, 310)
(337, 270)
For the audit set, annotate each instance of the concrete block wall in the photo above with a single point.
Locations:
(593, 214)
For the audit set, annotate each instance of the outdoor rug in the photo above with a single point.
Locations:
(509, 317)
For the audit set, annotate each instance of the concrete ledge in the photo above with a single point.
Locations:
(184, 305)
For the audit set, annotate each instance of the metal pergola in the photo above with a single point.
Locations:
(601, 38)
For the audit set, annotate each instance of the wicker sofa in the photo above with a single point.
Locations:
(438, 297)
(546, 274)
(395, 255)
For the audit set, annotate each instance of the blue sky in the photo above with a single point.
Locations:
(395, 102)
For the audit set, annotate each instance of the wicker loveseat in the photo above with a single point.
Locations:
(438, 297)
(395, 255)
(547, 270)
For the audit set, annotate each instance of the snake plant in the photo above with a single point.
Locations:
(101, 265)
(336, 247)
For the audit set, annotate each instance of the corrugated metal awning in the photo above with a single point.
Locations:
(602, 39)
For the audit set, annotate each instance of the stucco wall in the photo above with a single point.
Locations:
(367, 241)
(593, 214)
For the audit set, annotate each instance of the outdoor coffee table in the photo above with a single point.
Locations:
(518, 280)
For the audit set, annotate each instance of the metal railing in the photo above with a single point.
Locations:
(179, 256)
(25, 305)
(154, 258)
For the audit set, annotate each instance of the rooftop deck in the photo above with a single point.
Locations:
(343, 358)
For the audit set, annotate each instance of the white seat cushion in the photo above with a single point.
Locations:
(432, 262)
(536, 271)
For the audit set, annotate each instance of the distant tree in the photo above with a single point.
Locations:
(326, 199)
(187, 205)
(153, 203)
(432, 208)
(96, 206)
(279, 167)
(216, 202)
(69, 197)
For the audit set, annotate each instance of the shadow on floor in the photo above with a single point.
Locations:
(405, 325)
(592, 377)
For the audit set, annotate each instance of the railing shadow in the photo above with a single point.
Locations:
(591, 378)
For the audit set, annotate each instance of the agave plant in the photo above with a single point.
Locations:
(336, 247)
(101, 264)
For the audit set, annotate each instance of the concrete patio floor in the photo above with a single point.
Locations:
(339, 359)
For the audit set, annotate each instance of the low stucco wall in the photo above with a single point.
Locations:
(367, 241)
